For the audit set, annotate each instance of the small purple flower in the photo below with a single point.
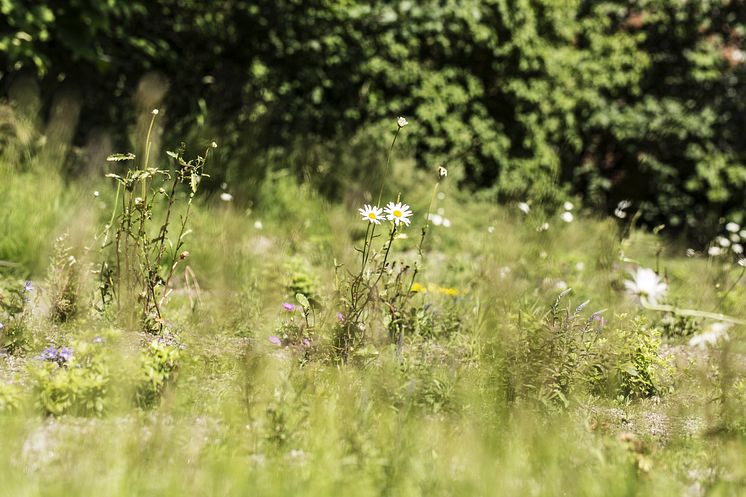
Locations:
(288, 306)
(275, 340)
(28, 286)
(340, 316)
(65, 354)
(306, 342)
(49, 354)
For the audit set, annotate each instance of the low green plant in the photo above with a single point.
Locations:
(553, 355)
(159, 363)
(10, 398)
(640, 368)
(14, 317)
(63, 282)
(71, 380)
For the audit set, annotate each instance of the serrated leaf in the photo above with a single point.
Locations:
(120, 157)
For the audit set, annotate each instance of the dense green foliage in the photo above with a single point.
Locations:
(618, 99)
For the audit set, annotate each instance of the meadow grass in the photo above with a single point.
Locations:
(488, 392)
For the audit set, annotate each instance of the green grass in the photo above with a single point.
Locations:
(244, 417)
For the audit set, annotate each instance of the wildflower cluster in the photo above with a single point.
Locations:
(731, 241)
(61, 356)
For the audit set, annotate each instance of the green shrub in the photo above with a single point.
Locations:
(14, 316)
(641, 370)
(159, 362)
(71, 380)
(10, 397)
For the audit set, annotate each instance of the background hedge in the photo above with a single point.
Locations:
(611, 100)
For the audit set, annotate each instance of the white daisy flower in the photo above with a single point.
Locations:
(371, 213)
(737, 248)
(401, 121)
(732, 227)
(722, 241)
(567, 216)
(446, 222)
(621, 207)
(568, 206)
(258, 224)
(226, 197)
(647, 285)
(524, 207)
(716, 332)
(398, 213)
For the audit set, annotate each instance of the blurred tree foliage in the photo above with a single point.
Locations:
(613, 99)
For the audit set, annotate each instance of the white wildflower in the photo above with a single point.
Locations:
(446, 222)
(647, 285)
(722, 241)
(737, 248)
(442, 172)
(398, 213)
(568, 206)
(226, 197)
(401, 121)
(258, 224)
(714, 251)
(490, 229)
(567, 216)
(524, 207)
(154, 112)
(732, 227)
(716, 332)
(621, 207)
(371, 213)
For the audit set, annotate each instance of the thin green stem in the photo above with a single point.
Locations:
(691, 312)
(388, 162)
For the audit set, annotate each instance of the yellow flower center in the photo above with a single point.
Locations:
(397, 213)
(372, 215)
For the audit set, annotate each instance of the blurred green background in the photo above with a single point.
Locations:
(638, 100)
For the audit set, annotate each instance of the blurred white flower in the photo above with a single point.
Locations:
(446, 222)
(742, 262)
(436, 219)
(490, 229)
(543, 227)
(722, 241)
(621, 207)
(647, 285)
(524, 207)
(732, 227)
(398, 213)
(154, 112)
(226, 197)
(567, 216)
(504, 271)
(580, 266)
(737, 248)
(96, 193)
(714, 251)
(568, 206)
(442, 172)
(401, 121)
(258, 224)
(734, 238)
(713, 334)
(371, 213)
(441, 195)
(742, 233)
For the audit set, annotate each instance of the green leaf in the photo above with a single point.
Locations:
(120, 157)
(302, 300)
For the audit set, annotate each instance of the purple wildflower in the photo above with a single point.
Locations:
(275, 340)
(65, 354)
(340, 316)
(288, 306)
(28, 286)
(49, 354)
(306, 342)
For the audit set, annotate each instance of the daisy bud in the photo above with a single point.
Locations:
(154, 112)
(214, 145)
(401, 121)
(442, 172)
